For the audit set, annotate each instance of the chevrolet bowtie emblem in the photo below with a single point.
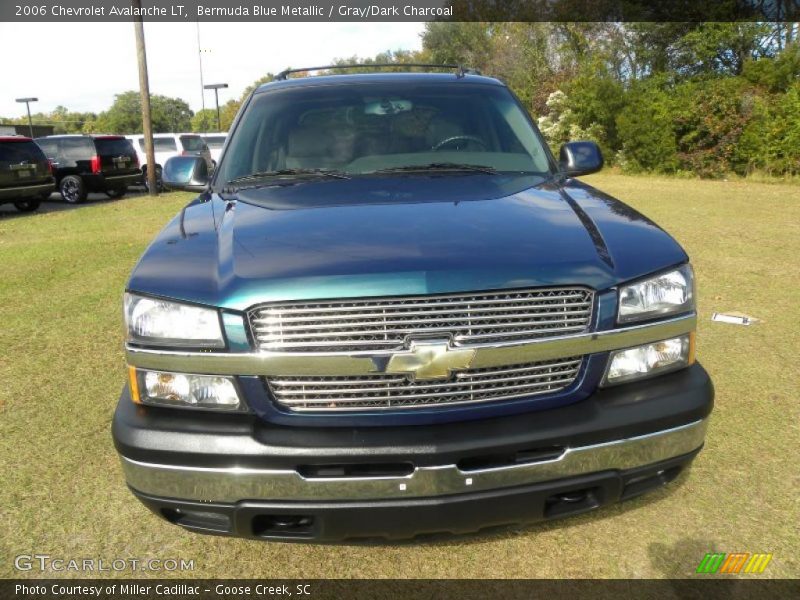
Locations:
(433, 359)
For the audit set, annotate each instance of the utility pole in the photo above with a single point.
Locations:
(27, 102)
(216, 87)
(144, 90)
(200, 59)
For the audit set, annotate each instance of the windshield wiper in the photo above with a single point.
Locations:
(242, 183)
(443, 166)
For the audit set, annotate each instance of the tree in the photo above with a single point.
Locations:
(125, 116)
(228, 112)
(61, 119)
(204, 120)
(775, 74)
(462, 43)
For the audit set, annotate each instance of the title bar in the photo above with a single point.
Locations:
(401, 10)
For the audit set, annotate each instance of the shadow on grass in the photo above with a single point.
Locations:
(680, 559)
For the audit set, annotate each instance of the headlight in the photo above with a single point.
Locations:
(184, 390)
(649, 360)
(665, 294)
(162, 323)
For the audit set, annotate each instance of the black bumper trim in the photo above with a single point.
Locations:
(165, 436)
(404, 519)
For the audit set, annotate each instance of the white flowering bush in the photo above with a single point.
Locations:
(560, 124)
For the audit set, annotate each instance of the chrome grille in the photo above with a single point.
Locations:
(370, 324)
(382, 391)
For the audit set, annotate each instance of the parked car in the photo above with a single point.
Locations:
(91, 163)
(167, 145)
(215, 142)
(26, 177)
(391, 311)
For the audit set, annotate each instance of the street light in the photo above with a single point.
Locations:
(216, 87)
(27, 102)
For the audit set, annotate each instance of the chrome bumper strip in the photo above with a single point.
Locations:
(43, 187)
(356, 363)
(133, 176)
(232, 484)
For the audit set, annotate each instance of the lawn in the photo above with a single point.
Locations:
(62, 366)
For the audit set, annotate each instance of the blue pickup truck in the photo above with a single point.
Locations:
(391, 311)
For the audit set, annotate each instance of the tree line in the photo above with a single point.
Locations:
(709, 99)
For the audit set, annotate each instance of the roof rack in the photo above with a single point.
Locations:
(460, 69)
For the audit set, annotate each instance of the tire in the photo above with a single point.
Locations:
(116, 192)
(27, 205)
(159, 181)
(72, 189)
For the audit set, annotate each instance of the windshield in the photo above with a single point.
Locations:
(378, 127)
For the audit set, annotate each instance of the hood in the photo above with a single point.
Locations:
(402, 235)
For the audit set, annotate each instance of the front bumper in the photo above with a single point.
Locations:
(235, 474)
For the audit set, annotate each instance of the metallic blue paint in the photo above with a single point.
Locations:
(436, 234)
(404, 235)
(236, 332)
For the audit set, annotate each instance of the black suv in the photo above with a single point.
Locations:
(91, 163)
(25, 174)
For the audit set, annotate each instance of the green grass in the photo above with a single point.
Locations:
(62, 366)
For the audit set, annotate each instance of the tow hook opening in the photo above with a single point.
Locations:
(573, 501)
(282, 525)
(571, 497)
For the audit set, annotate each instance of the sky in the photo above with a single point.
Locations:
(82, 65)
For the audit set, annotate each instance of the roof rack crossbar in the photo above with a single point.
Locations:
(461, 70)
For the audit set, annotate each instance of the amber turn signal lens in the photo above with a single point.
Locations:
(133, 383)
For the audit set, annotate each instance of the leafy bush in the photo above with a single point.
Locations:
(770, 142)
(561, 124)
(645, 131)
(709, 116)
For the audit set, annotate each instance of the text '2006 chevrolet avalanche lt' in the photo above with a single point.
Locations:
(390, 312)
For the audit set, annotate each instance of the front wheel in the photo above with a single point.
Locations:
(72, 189)
(27, 205)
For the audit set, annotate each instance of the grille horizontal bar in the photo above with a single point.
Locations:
(386, 323)
(382, 391)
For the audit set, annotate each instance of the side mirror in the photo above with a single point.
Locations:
(580, 158)
(188, 173)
